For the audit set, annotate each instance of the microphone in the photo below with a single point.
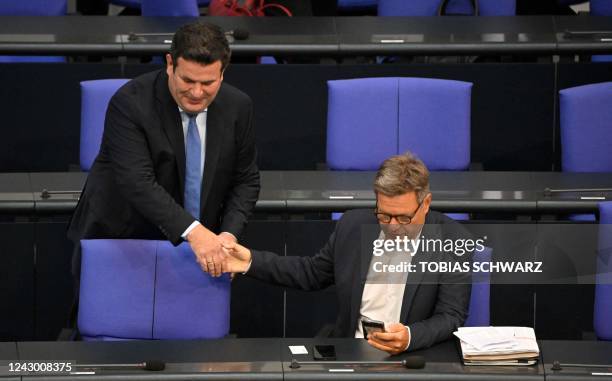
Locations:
(47, 194)
(558, 365)
(151, 365)
(411, 362)
(549, 191)
(237, 34)
(132, 36)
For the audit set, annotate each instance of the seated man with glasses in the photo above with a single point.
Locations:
(375, 260)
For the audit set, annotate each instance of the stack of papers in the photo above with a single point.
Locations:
(498, 345)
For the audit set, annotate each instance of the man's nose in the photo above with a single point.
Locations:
(197, 90)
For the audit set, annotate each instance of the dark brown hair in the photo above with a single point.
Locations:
(200, 42)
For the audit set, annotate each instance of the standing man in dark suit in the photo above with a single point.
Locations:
(419, 307)
(178, 157)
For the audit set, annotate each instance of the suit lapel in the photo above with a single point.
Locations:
(416, 278)
(214, 138)
(369, 232)
(172, 125)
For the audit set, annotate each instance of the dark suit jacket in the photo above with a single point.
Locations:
(434, 304)
(135, 187)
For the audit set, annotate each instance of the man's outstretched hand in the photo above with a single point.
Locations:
(238, 258)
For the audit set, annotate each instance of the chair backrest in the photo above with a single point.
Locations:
(33, 8)
(352, 5)
(602, 309)
(186, 8)
(601, 7)
(430, 7)
(135, 4)
(586, 128)
(32, 59)
(95, 96)
(479, 314)
(139, 289)
(370, 119)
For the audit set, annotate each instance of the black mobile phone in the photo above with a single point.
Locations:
(370, 326)
(324, 352)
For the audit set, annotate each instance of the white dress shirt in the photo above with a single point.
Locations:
(383, 292)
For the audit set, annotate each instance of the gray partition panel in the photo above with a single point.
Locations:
(227, 359)
(8, 350)
(569, 192)
(328, 190)
(57, 192)
(8, 353)
(274, 35)
(448, 35)
(15, 194)
(135, 35)
(452, 191)
(272, 195)
(325, 191)
(59, 35)
(584, 34)
(478, 191)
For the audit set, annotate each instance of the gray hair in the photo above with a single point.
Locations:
(402, 174)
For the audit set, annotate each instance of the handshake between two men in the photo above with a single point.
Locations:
(236, 258)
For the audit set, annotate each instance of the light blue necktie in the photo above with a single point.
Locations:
(193, 172)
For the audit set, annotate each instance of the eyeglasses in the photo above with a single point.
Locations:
(402, 219)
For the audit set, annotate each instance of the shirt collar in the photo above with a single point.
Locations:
(183, 112)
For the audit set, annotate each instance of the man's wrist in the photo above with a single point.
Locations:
(193, 225)
(409, 338)
(246, 270)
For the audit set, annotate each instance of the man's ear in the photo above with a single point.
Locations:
(169, 64)
(427, 203)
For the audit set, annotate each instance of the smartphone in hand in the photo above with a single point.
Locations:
(370, 326)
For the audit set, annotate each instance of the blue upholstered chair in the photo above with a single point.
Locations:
(356, 5)
(601, 8)
(126, 3)
(139, 289)
(95, 96)
(602, 313)
(586, 131)
(370, 119)
(388, 116)
(170, 8)
(479, 314)
(182, 6)
(586, 128)
(33, 8)
(460, 7)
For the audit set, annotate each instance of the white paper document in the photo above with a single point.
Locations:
(298, 350)
(498, 345)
